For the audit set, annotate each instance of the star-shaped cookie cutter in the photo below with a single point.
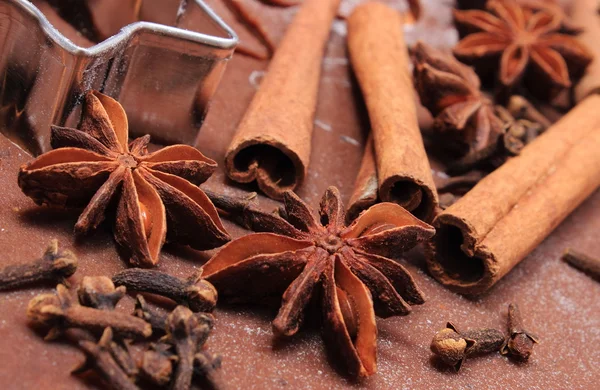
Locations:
(163, 67)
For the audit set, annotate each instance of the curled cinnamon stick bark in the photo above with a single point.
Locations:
(585, 14)
(272, 144)
(380, 60)
(365, 192)
(482, 236)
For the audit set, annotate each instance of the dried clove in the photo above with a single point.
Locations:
(187, 332)
(156, 318)
(60, 312)
(453, 346)
(520, 133)
(100, 358)
(99, 292)
(157, 364)
(205, 366)
(54, 265)
(515, 133)
(195, 293)
(532, 129)
(244, 211)
(519, 343)
(120, 351)
(586, 264)
(512, 143)
(521, 108)
(227, 205)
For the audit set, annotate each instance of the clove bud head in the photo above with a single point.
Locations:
(519, 346)
(182, 321)
(53, 265)
(44, 309)
(450, 346)
(157, 364)
(202, 296)
(99, 292)
(60, 311)
(194, 292)
(64, 263)
(453, 346)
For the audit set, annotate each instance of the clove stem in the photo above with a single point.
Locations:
(520, 342)
(59, 311)
(99, 292)
(100, 358)
(196, 293)
(243, 211)
(153, 316)
(53, 265)
(453, 346)
(521, 108)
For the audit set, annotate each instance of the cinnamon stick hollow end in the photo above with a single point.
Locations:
(273, 140)
(410, 192)
(455, 261)
(380, 61)
(486, 233)
(274, 166)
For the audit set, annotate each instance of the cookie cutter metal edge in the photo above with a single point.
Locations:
(163, 75)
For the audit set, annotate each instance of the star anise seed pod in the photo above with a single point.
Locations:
(568, 26)
(451, 91)
(550, 6)
(346, 266)
(524, 40)
(95, 166)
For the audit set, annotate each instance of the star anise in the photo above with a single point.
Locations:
(95, 166)
(451, 91)
(346, 267)
(526, 42)
(551, 6)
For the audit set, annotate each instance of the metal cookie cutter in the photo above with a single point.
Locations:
(163, 65)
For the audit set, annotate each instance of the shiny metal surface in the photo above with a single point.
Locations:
(163, 67)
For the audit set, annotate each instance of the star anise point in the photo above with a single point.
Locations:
(347, 266)
(95, 166)
(527, 42)
(451, 91)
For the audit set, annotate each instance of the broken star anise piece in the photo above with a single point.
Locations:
(95, 166)
(525, 41)
(347, 266)
(451, 91)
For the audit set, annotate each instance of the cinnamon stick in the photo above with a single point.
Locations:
(412, 13)
(365, 192)
(380, 60)
(273, 141)
(585, 14)
(505, 216)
